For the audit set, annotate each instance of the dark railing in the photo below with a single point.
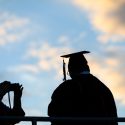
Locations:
(34, 119)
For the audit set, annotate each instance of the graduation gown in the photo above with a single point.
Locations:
(84, 96)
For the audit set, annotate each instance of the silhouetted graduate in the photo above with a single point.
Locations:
(82, 96)
(16, 110)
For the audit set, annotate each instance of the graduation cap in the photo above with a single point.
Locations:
(75, 54)
(74, 59)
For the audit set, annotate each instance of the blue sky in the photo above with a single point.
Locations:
(34, 33)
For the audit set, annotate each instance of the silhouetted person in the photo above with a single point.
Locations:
(17, 110)
(82, 96)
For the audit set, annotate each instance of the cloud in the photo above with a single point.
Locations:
(106, 16)
(24, 68)
(45, 57)
(48, 56)
(63, 39)
(12, 28)
(109, 69)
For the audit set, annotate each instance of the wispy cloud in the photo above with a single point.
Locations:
(12, 28)
(46, 59)
(106, 16)
(27, 68)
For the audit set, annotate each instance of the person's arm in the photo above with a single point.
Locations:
(60, 101)
(54, 107)
(110, 106)
(17, 108)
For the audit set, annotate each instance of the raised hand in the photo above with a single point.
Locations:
(4, 88)
(17, 88)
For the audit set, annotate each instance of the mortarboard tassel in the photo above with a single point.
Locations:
(64, 71)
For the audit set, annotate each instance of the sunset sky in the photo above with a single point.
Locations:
(35, 33)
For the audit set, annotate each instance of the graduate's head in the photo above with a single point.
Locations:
(77, 63)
